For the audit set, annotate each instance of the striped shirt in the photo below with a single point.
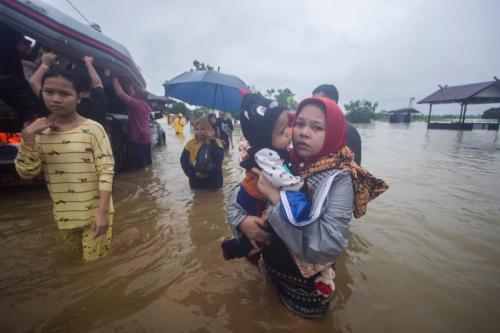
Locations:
(77, 164)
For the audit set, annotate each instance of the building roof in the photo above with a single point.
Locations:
(475, 93)
(404, 110)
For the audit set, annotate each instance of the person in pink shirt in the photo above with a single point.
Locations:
(139, 133)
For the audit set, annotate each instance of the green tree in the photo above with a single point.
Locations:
(178, 107)
(201, 66)
(360, 111)
(270, 93)
(284, 96)
(200, 112)
(492, 113)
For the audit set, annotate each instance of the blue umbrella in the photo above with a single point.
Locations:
(210, 89)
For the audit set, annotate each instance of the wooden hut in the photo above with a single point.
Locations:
(402, 115)
(475, 93)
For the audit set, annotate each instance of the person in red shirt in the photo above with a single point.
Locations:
(139, 133)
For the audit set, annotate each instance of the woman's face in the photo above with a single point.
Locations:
(308, 135)
(60, 96)
(200, 133)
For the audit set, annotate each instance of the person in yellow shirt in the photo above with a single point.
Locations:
(77, 161)
(179, 124)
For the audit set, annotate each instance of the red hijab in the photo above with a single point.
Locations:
(334, 130)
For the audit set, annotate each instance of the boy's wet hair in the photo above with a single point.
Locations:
(328, 90)
(66, 74)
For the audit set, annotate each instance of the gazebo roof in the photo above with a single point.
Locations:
(475, 93)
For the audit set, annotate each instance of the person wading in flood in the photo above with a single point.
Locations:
(139, 133)
(76, 158)
(226, 127)
(201, 159)
(179, 124)
(297, 252)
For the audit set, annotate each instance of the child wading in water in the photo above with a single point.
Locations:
(76, 158)
(266, 127)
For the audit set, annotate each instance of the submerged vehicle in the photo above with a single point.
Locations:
(51, 30)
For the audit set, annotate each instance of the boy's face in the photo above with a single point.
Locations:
(60, 96)
(281, 136)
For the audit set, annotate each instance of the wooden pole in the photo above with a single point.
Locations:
(465, 110)
(429, 118)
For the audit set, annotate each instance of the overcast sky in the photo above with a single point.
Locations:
(380, 50)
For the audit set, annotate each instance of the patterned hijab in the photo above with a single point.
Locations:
(336, 155)
(335, 130)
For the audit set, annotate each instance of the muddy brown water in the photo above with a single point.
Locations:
(426, 257)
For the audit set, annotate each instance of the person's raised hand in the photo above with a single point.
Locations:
(88, 60)
(49, 59)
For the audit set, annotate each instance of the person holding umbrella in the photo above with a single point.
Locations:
(210, 89)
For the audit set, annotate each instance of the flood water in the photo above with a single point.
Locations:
(425, 258)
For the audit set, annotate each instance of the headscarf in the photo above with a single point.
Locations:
(334, 130)
(336, 155)
(194, 145)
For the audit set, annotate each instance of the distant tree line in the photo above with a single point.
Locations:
(360, 111)
(492, 113)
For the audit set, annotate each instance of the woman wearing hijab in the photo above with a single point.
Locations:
(299, 250)
(202, 157)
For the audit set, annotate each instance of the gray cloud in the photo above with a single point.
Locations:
(385, 51)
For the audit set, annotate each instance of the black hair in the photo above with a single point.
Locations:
(83, 76)
(212, 115)
(66, 74)
(328, 90)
